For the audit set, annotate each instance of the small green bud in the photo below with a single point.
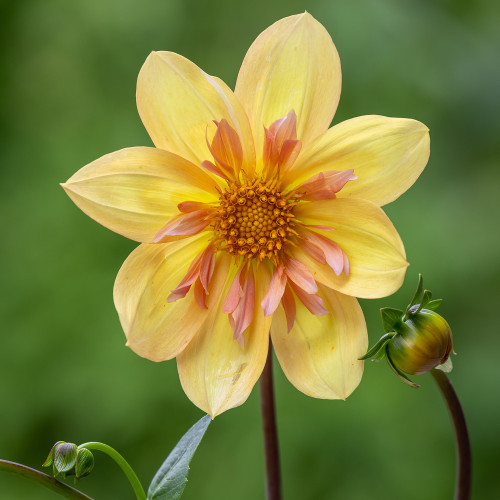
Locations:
(416, 340)
(84, 463)
(423, 342)
(69, 459)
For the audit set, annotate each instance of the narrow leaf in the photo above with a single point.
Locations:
(433, 304)
(382, 351)
(390, 318)
(378, 346)
(418, 292)
(399, 373)
(426, 298)
(170, 480)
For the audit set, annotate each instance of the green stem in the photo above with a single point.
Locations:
(42, 479)
(125, 467)
(464, 460)
(270, 430)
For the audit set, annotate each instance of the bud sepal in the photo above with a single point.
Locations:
(84, 463)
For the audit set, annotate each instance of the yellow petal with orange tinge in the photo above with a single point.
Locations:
(177, 101)
(320, 354)
(293, 64)
(135, 191)
(155, 328)
(217, 373)
(387, 155)
(377, 262)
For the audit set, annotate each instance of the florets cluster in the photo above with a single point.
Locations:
(254, 219)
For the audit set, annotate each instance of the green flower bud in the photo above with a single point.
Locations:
(69, 459)
(416, 340)
(423, 342)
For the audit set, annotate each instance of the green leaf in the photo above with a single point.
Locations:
(433, 304)
(390, 318)
(170, 480)
(399, 373)
(374, 351)
(418, 293)
(426, 298)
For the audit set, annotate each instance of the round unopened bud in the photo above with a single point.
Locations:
(421, 343)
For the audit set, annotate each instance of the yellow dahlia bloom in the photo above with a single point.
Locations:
(254, 217)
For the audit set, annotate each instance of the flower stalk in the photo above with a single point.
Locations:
(464, 459)
(270, 431)
(122, 463)
(42, 479)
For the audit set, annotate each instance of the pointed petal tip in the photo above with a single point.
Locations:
(159, 53)
(304, 16)
(422, 127)
(417, 127)
(267, 312)
(66, 186)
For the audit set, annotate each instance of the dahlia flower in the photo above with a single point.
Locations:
(256, 220)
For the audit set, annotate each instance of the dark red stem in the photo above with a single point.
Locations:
(270, 430)
(464, 460)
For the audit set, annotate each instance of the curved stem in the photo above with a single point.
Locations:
(270, 430)
(42, 479)
(464, 460)
(124, 465)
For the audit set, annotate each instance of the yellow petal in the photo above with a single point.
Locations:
(387, 155)
(177, 101)
(377, 262)
(293, 64)
(156, 329)
(217, 373)
(320, 354)
(135, 191)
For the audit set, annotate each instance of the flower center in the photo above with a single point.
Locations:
(254, 220)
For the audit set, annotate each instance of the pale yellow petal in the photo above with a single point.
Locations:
(177, 101)
(217, 373)
(320, 354)
(387, 155)
(135, 191)
(377, 262)
(293, 64)
(156, 329)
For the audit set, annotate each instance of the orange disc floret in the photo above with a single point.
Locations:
(254, 219)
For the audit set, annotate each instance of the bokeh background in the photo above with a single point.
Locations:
(68, 73)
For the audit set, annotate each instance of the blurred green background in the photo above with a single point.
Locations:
(68, 72)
